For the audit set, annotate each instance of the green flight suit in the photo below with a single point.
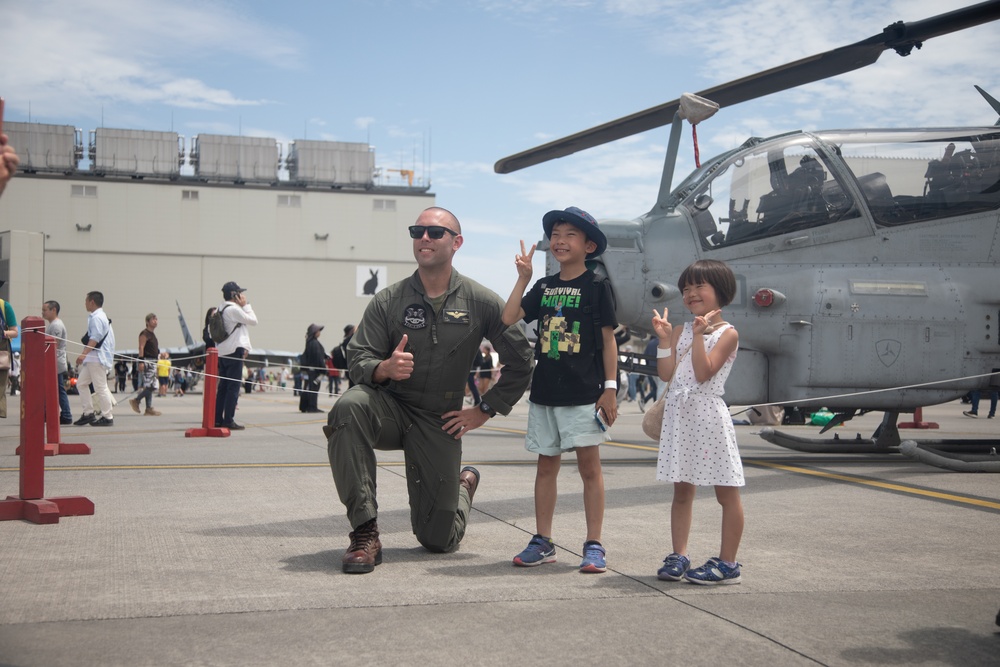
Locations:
(407, 415)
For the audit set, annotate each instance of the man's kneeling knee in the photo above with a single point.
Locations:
(437, 535)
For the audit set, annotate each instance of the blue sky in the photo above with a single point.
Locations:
(450, 87)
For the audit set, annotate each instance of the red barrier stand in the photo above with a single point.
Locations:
(208, 428)
(31, 503)
(53, 446)
(918, 416)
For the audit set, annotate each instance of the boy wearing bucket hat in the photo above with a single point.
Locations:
(574, 386)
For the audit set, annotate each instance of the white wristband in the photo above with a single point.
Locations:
(663, 352)
(610, 384)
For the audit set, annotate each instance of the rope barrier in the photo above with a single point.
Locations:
(816, 400)
(254, 362)
(248, 362)
(819, 400)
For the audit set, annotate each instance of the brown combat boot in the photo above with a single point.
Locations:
(365, 551)
(470, 480)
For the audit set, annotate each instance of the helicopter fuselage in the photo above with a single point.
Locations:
(867, 264)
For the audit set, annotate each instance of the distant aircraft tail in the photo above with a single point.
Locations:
(188, 340)
(993, 102)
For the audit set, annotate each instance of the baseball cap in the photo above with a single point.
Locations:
(231, 287)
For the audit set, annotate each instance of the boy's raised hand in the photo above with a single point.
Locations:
(523, 261)
(661, 326)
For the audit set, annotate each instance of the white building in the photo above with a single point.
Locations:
(312, 248)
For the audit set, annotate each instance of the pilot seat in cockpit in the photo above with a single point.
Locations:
(796, 197)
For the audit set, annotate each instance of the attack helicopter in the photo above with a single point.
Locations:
(867, 260)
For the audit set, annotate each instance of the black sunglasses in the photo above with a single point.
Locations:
(434, 232)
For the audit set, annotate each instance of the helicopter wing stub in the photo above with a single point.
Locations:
(899, 36)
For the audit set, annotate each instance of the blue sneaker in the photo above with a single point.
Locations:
(713, 573)
(674, 567)
(539, 550)
(593, 558)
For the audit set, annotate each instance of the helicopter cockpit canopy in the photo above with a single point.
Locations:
(801, 181)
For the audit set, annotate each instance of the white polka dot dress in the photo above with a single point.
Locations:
(698, 442)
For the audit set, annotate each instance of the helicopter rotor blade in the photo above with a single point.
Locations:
(900, 37)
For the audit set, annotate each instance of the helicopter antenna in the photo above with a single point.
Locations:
(992, 101)
(695, 109)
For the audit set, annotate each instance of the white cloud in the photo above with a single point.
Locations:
(400, 132)
(643, 8)
(128, 52)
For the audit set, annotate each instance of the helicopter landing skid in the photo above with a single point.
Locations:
(834, 445)
(957, 455)
(885, 440)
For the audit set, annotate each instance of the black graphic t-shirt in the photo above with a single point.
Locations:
(569, 369)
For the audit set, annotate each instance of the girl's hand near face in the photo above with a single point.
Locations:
(661, 327)
(701, 322)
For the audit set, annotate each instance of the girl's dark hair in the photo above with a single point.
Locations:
(715, 273)
(208, 314)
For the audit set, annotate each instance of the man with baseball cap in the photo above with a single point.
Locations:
(237, 315)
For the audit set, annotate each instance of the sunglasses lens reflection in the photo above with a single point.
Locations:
(434, 232)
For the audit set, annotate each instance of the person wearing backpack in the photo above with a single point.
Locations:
(234, 315)
(574, 386)
(206, 334)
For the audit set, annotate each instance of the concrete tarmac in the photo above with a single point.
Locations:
(226, 551)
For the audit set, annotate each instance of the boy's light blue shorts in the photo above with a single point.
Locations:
(553, 430)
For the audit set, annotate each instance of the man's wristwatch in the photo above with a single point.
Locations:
(485, 408)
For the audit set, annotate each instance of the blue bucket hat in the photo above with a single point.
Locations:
(578, 218)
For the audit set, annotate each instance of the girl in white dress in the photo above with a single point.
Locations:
(698, 442)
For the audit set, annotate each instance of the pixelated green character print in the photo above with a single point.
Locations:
(554, 336)
(573, 339)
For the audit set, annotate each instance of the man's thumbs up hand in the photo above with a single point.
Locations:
(399, 366)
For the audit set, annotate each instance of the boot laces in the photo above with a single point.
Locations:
(364, 536)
